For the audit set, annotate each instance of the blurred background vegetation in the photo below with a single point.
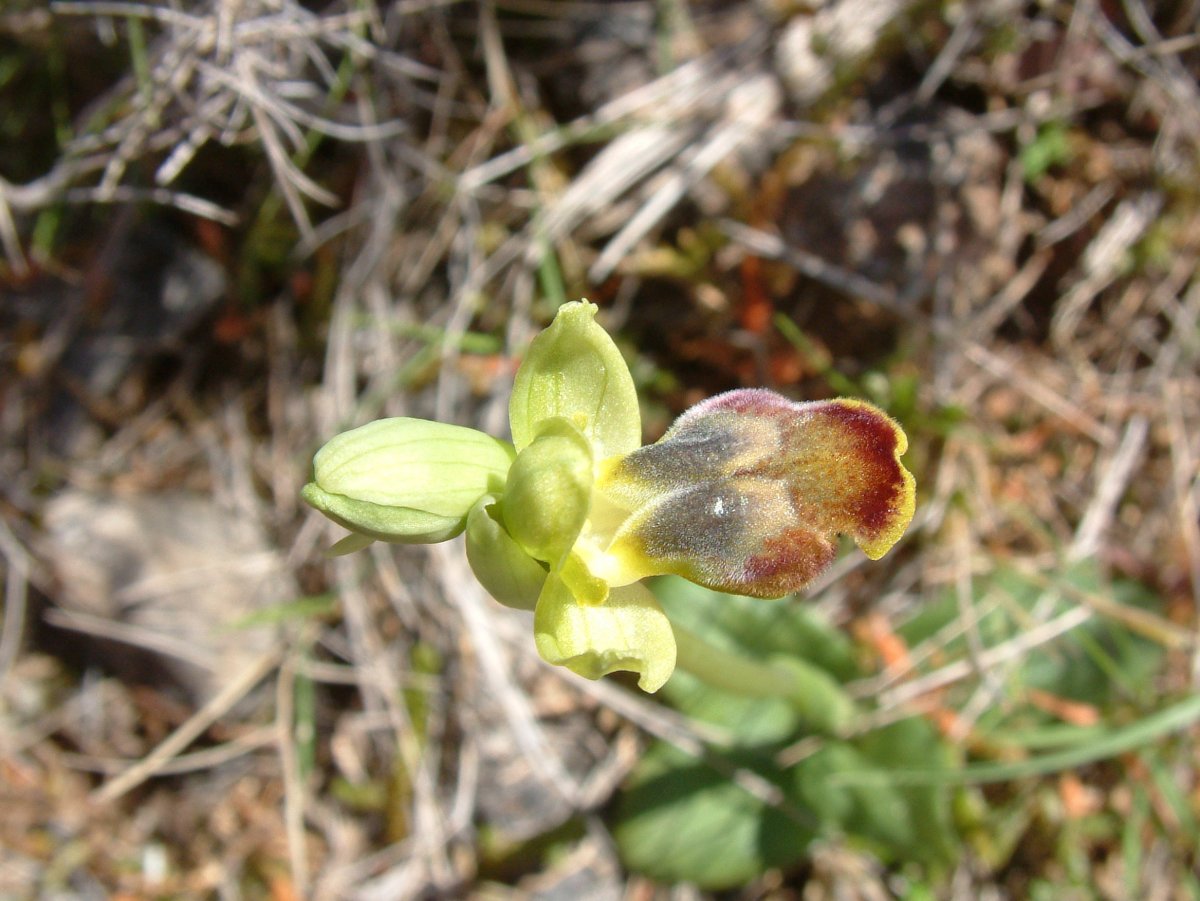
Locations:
(229, 228)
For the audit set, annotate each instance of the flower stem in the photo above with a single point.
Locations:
(816, 696)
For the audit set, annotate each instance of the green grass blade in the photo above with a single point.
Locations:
(1117, 741)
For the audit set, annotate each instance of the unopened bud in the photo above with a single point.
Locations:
(406, 480)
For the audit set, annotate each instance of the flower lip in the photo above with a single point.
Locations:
(747, 491)
(877, 489)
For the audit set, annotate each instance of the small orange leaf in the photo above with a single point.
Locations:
(1078, 800)
(875, 631)
(1076, 713)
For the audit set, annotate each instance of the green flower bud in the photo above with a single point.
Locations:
(406, 480)
(509, 574)
(549, 489)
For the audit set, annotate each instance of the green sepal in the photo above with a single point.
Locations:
(629, 632)
(548, 493)
(355, 541)
(401, 525)
(406, 480)
(574, 370)
(508, 574)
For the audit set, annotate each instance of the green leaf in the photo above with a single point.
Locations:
(312, 606)
(1051, 147)
(573, 370)
(810, 695)
(786, 635)
(681, 820)
(928, 827)
(850, 786)
(757, 627)
(1101, 661)
(749, 721)
(871, 809)
(1114, 741)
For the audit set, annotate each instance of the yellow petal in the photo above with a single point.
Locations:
(629, 632)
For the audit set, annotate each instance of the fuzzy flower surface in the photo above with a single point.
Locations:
(746, 493)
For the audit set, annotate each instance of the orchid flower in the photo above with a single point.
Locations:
(746, 493)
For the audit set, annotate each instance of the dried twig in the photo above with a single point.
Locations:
(150, 765)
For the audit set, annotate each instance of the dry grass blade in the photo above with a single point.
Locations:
(167, 750)
(1015, 649)
(754, 104)
(146, 638)
(498, 673)
(180, 764)
(1118, 472)
(1185, 460)
(16, 598)
(9, 239)
(208, 77)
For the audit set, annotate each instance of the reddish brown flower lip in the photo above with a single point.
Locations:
(747, 492)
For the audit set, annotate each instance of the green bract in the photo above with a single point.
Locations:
(746, 493)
